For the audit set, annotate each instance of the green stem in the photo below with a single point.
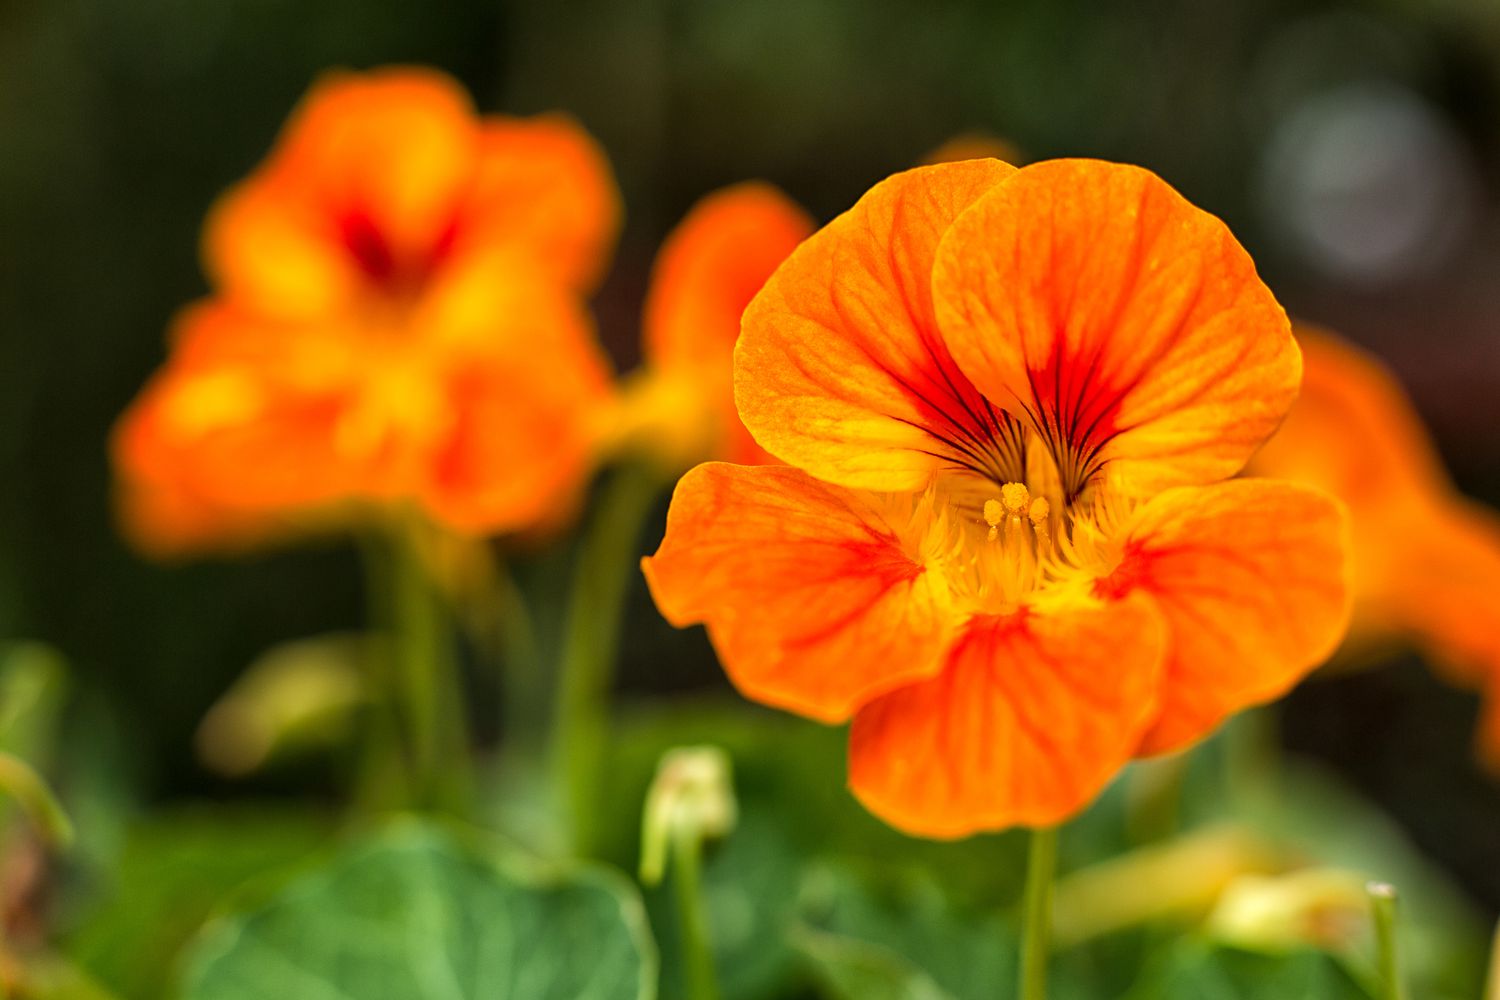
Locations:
(605, 568)
(692, 919)
(418, 757)
(1036, 916)
(1383, 907)
(513, 636)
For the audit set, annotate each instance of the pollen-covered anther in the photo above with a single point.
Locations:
(1038, 512)
(1015, 496)
(994, 513)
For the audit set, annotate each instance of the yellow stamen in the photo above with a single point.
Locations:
(993, 515)
(1015, 496)
(1039, 511)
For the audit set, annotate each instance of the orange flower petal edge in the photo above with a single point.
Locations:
(1239, 572)
(1030, 718)
(840, 368)
(793, 575)
(1128, 326)
(1426, 561)
(710, 267)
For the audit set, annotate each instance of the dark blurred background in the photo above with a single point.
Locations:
(1354, 147)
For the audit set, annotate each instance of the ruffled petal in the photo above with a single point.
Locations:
(1128, 325)
(525, 383)
(708, 270)
(839, 369)
(811, 598)
(1426, 561)
(363, 188)
(1030, 718)
(1251, 578)
(544, 188)
(233, 440)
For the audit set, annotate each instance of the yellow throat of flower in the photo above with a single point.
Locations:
(1003, 546)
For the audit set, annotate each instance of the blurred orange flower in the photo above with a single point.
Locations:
(1006, 546)
(681, 404)
(396, 317)
(1355, 434)
(975, 145)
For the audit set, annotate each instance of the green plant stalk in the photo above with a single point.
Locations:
(416, 742)
(1036, 913)
(692, 918)
(605, 567)
(1383, 907)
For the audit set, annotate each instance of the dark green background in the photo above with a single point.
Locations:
(121, 119)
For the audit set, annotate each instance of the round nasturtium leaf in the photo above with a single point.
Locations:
(413, 915)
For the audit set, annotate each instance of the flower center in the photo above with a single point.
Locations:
(1001, 549)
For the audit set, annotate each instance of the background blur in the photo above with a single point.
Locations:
(1353, 147)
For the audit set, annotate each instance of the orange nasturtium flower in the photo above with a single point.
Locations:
(396, 318)
(1355, 434)
(1007, 543)
(680, 405)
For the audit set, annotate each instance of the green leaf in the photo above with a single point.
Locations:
(851, 969)
(905, 934)
(413, 915)
(172, 873)
(1200, 971)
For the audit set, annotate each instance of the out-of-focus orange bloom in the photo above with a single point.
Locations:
(1008, 545)
(1355, 434)
(680, 405)
(975, 145)
(396, 318)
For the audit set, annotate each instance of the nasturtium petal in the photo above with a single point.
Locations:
(1251, 578)
(415, 913)
(1129, 325)
(224, 439)
(1426, 560)
(706, 273)
(524, 385)
(840, 369)
(1031, 716)
(543, 186)
(809, 594)
(363, 184)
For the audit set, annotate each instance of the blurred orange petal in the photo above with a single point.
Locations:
(840, 369)
(212, 452)
(545, 187)
(362, 188)
(812, 599)
(706, 273)
(1031, 717)
(1250, 578)
(1426, 561)
(524, 384)
(1129, 326)
(975, 145)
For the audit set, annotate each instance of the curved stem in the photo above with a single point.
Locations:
(1036, 915)
(605, 568)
